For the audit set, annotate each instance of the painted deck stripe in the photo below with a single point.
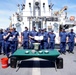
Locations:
(36, 71)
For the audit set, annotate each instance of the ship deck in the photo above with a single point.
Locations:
(37, 66)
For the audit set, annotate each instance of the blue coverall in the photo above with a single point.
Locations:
(1, 42)
(71, 42)
(63, 36)
(16, 34)
(6, 44)
(33, 33)
(52, 40)
(44, 42)
(39, 34)
(25, 35)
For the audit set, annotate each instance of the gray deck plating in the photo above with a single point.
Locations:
(36, 66)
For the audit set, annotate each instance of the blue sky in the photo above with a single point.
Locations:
(8, 7)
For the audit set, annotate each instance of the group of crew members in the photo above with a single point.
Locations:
(48, 41)
(9, 40)
(29, 37)
(67, 38)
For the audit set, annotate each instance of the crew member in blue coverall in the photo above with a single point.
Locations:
(46, 45)
(25, 38)
(6, 36)
(16, 34)
(1, 41)
(52, 40)
(63, 38)
(32, 34)
(71, 41)
(11, 40)
(3, 46)
(44, 42)
(39, 34)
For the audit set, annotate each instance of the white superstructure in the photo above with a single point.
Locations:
(39, 13)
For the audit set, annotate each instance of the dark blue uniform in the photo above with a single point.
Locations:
(9, 43)
(16, 34)
(45, 40)
(25, 35)
(12, 42)
(52, 40)
(1, 42)
(71, 42)
(39, 41)
(63, 36)
(32, 34)
(6, 44)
